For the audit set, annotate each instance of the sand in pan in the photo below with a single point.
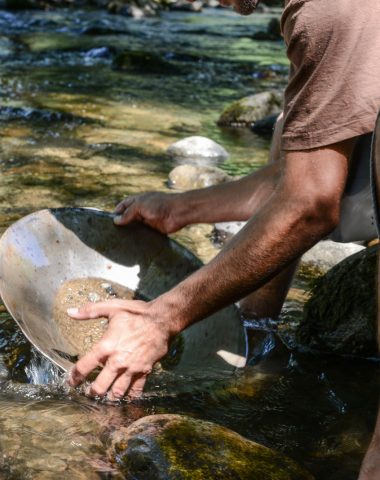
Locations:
(83, 334)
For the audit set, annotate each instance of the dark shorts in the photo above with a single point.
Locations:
(359, 218)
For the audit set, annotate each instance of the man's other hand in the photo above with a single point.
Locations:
(133, 342)
(155, 209)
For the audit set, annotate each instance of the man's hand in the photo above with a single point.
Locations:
(133, 342)
(154, 209)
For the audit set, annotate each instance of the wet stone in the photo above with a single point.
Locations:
(175, 447)
(248, 110)
(198, 151)
(187, 177)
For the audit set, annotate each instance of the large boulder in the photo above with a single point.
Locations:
(175, 447)
(197, 150)
(189, 177)
(248, 110)
(340, 317)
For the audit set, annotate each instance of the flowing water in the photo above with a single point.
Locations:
(77, 131)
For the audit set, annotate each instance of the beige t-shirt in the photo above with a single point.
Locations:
(334, 86)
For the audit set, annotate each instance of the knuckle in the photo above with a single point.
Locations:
(117, 362)
(117, 392)
(105, 348)
(96, 391)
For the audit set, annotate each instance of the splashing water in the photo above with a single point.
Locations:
(41, 371)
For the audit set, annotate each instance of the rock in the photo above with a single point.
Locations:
(185, 6)
(175, 447)
(273, 31)
(224, 231)
(144, 62)
(99, 52)
(326, 254)
(340, 316)
(248, 110)
(197, 150)
(6, 47)
(189, 177)
(265, 126)
(133, 10)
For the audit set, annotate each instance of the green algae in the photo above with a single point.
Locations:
(340, 316)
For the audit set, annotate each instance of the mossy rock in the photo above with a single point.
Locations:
(176, 447)
(340, 316)
(248, 110)
(145, 62)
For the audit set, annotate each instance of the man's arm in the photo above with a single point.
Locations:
(303, 209)
(236, 200)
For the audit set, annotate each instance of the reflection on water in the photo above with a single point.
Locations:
(76, 129)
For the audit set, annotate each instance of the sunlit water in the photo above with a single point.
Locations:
(76, 131)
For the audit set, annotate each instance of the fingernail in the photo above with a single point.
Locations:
(72, 311)
(117, 219)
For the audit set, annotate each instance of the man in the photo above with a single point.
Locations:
(332, 98)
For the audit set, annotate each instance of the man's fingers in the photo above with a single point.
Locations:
(120, 207)
(82, 368)
(98, 309)
(120, 386)
(127, 216)
(103, 381)
(137, 387)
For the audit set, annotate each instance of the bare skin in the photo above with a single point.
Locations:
(371, 464)
(302, 209)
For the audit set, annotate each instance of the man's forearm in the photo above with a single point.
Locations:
(265, 246)
(236, 200)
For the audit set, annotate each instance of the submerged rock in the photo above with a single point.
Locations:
(340, 316)
(176, 447)
(144, 62)
(7, 47)
(248, 110)
(197, 150)
(189, 177)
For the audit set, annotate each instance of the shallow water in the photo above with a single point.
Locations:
(76, 131)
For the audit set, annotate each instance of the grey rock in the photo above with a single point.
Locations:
(326, 254)
(224, 231)
(197, 150)
(185, 6)
(248, 110)
(188, 177)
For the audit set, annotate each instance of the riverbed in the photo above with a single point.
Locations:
(77, 129)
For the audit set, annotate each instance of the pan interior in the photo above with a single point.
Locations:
(55, 258)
